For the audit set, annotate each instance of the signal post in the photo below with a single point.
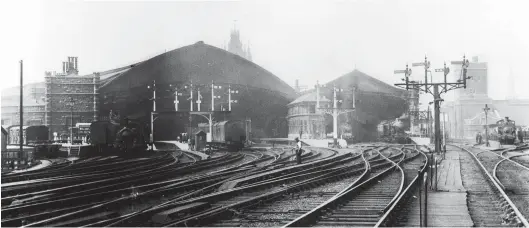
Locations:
(179, 90)
(436, 89)
(335, 111)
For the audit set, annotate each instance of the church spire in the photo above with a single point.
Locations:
(248, 52)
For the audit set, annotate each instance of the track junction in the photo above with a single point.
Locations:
(365, 185)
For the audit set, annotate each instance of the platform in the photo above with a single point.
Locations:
(43, 163)
(184, 147)
(307, 142)
(447, 207)
(449, 173)
(421, 140)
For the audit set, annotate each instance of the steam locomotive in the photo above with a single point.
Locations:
(506, 131)
(393, 131)
(126, 137)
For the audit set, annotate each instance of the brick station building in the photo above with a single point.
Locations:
(51, 103)
(68, 93)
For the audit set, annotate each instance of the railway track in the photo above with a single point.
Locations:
(279, 210)
(121, 189)
(231, 206)
(364, 204)
(488, 203)
(261, 180)
(196, 189)
(185, 179)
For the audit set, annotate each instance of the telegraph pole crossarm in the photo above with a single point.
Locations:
(335, 111)
(438, 88)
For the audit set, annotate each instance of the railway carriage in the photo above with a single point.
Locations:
(36, 137)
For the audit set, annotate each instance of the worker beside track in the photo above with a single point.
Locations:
(298, 150)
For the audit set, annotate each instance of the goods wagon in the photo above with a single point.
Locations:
(37, 134)
(230, 134)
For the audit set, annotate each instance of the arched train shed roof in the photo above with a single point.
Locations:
(201, 64)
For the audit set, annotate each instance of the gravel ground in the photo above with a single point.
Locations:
(523, 160)
(488, 159)
(516, 182)
(286, 208)
(482, 201)
(146, 202)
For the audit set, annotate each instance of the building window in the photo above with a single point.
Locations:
(313, 109)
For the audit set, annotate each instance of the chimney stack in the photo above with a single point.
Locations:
(297, 85)
(76, 66)
(64, 67)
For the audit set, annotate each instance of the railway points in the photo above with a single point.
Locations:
(489, 204)
(264, 188)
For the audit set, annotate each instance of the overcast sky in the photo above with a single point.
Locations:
(307, 40)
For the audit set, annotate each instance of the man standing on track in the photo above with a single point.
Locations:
(298, 150)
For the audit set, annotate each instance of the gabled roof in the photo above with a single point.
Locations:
(309, 97)
(365, 83)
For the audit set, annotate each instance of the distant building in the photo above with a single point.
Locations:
(34, 102)
(69, 93)
(304, 119)
(49, 103)
(375, 101)
(464, 114)
(4, 139)
(235, 46)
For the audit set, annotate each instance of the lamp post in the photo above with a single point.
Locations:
(486, 109)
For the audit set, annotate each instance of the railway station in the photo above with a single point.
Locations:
(214, 134)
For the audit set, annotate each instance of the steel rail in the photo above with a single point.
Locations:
(311, 216)
(390, 212)
(519, 215)
(322, 177)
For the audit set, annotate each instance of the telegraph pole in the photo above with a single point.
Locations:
(486, 109)
(335, 111)
(335, 117)
(153, 87)
(21, 130)
(438, 89)
(71, 120)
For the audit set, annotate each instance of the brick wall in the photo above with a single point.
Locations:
(61, 91)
